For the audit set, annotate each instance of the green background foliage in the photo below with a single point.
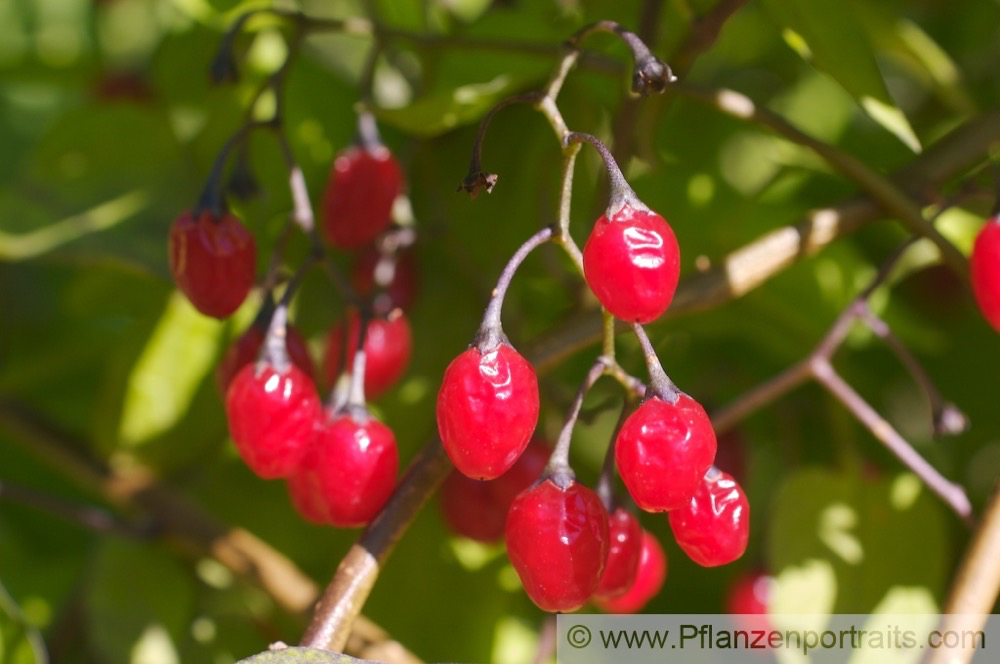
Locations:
(109, 126)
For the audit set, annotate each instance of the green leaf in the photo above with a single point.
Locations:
(138, 603)
(19, 642)
(179, 354)
(826, 33)
(444, 110)
(844, 543)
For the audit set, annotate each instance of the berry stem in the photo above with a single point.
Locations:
(564, 239)
(211, 196)
(606, 480)
(476, 180)
(87, 516)
(558, 468)
(660, 384)
(649, 73)
(620, 193)
(490, 334)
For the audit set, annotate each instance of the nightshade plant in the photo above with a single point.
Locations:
(617, 212)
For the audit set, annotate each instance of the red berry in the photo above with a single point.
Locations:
(748, 597)
(557, 541)
(348, 473)
(213, 260)
(477, 509)
(984, 266)
(663, 451)
(357, 204)
(487, 409)
(714, 526)
(632, 264)
(387, 351)
(624, 549)
(403, 285)
(648, 581)
(271, 417)
(247, 347)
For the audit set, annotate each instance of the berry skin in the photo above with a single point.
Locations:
(714, 526)
(557, 541)
(357, 203)
(388, 345)
(487, 409)
(984, 266)
(477, 509)
(245, 350)
(347, 474)
(271, 418)
(401, 289)
(625, 546)
(663, 451)
(632, 264)
(648, 581)
(213, 261)
(748, 598)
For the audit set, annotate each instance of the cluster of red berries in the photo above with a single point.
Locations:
(561, 539)
(339, 461)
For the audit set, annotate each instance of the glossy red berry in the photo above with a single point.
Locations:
(403, 285)
(714, 526)
(388, 345)
(213, 261)
(649, 578)
(557, 541)
(357, 204)
(487, 409)
(632, 264)
(748, 598)
(246, 349)
(663, 451)
(477, 509)
(625, 547)
(984, 266)
(348, 473)
(271, 417)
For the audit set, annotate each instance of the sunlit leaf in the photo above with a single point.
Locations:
(19, 642)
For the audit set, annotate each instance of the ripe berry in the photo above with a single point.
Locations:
(348, 472)
(477, 509)
(487, 409)
(357, 205)
(663, 451)
(245, 350)
(984, 266)
(213, 261)
(748, 598)
(623, 555)
(714, 526)
(271, 417)
(632, 264)
(387, 350)
(557, 541)
(402, 286)
(648, 581)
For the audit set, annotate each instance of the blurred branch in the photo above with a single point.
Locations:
(186, 527)
(755, 263)
(976, 587)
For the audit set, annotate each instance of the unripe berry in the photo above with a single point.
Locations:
(213, 261)
(357, 205)
(632, 264)
(487, 409)
(348, 473)
(649, 578)
(714, 526)
(271, 417)
(557, 541)
(663, 451)
(984, 268)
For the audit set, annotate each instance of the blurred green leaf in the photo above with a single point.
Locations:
(826, 33)
(19, 642)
